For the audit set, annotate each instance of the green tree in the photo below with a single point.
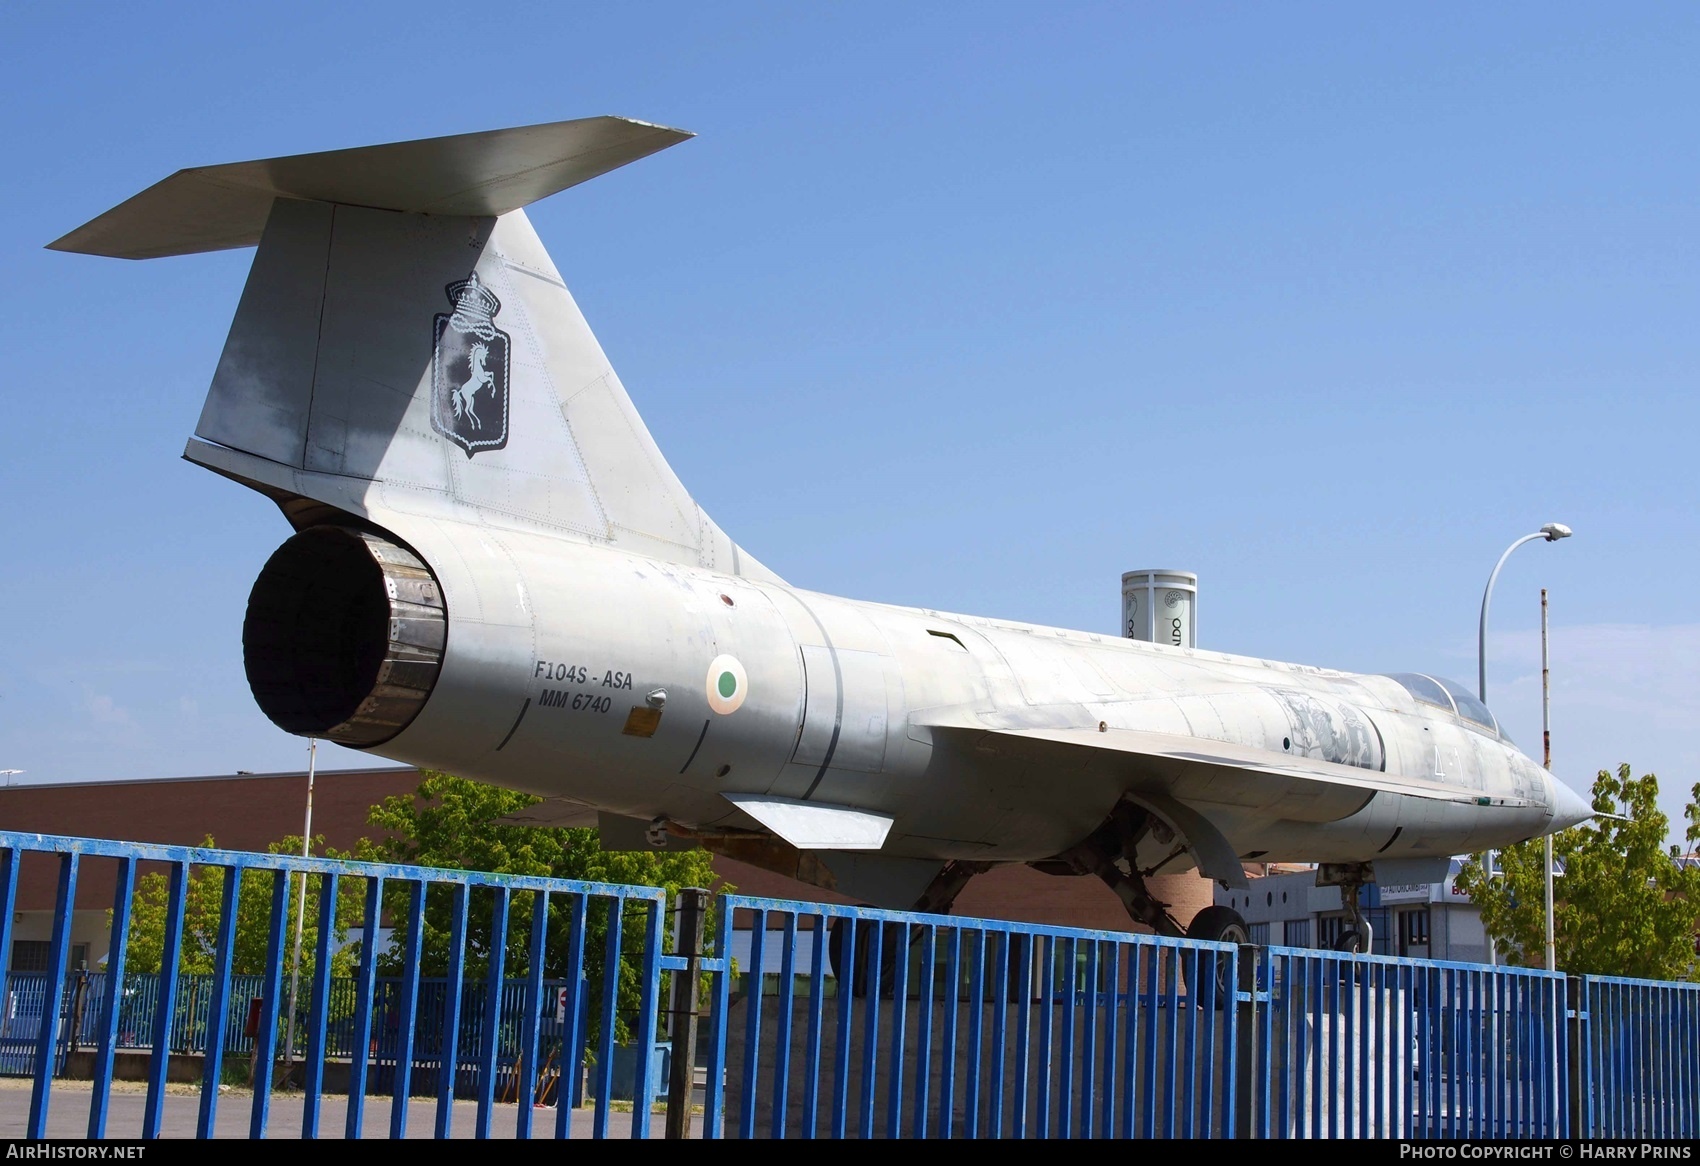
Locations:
(1623, 906)
(202, 903)
(455, 823)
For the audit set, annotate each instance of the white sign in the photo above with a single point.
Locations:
(560, 1006)
(1406, 893)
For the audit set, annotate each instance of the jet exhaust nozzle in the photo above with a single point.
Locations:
(344, 636)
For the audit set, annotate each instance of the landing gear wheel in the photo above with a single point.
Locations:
(1219, 924)
(1356, 937)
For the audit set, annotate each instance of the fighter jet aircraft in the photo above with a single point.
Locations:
(494, 572)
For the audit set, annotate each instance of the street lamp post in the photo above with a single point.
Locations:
(1551, 532)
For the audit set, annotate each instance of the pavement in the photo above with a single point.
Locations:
(69, 1102)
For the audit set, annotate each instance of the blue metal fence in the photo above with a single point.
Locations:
(1368, 1046)
(837, 1022)
(84, 1001)
(455, 1033)
(969, 1027)
(82, 1013)
(1636, 1051)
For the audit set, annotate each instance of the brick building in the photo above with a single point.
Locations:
(246, 811)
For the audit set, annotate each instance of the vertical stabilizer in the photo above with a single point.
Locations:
(387, 361)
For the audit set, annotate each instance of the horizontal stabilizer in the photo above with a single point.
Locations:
(810, 826)
(212, 208)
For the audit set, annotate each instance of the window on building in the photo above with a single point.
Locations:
(1413, 932)
(32, 955)
(1297, 933)
(29, 955)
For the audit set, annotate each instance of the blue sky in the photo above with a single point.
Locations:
(973, 307)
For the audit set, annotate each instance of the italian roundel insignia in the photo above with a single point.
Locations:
(727, 685)
(469, 369)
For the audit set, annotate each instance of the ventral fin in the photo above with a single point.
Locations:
(812, 826)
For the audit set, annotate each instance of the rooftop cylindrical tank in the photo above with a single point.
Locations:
(1161, 607)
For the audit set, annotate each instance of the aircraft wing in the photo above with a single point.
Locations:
(1199, 770)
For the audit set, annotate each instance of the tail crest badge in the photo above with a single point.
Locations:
(469, 369)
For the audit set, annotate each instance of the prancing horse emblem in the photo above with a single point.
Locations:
(469, 370)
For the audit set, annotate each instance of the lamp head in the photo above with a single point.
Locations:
(1555, 531)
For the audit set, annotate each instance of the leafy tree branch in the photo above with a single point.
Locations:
(1623, 905)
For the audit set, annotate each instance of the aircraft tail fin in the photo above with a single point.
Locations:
(404, 343)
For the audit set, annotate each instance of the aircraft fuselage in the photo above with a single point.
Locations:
(551, 646)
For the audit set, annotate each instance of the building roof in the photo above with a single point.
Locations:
(26, 781)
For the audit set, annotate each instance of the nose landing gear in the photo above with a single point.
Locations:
(1358, 938)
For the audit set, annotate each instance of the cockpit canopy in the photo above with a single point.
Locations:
(1449, 695)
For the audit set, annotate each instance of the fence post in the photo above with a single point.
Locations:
(1244, 1065)
(691, 905)
(1577, 1102)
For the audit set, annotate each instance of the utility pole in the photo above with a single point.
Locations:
(1546, 760)
(300, 908)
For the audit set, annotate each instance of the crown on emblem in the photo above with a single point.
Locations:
(475, 307)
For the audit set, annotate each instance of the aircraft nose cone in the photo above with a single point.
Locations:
(1569, 808)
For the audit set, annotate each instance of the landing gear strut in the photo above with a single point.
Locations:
(1110, 853)
(941, 893)
(1358, 937)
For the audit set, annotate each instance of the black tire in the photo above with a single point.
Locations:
(1352, 942)
(1217, 925)
(1220, 925)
